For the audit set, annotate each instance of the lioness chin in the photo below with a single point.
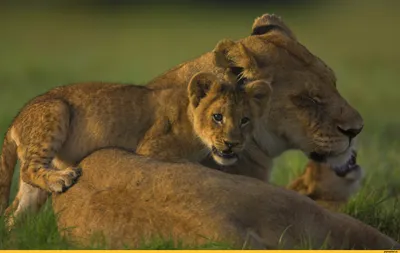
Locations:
(189, 203)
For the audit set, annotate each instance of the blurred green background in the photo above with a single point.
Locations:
(47, 44)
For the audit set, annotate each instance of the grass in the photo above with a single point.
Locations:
(40, 49)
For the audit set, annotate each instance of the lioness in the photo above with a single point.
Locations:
(129, 198)
(307, 112)
(69, 122)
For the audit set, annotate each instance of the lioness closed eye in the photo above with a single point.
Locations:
(54, 131)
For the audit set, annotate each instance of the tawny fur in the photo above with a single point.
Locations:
(322, 185)
(306, 107)
(67, 123)
(296, 120)
(128, 200)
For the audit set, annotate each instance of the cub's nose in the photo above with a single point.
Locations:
(350, 132)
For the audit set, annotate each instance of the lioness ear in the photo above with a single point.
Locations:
(230, 54)
(270, 22)
(200, 85)
(259, 93)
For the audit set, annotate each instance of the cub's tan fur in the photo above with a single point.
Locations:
(307, 111)
(322, 185)
(68, 123)
(130, 199)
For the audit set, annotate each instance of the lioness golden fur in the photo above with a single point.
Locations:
(69, 122)
(307, 111)
(129, 199)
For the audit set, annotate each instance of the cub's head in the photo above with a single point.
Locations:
(224, 113)
(307, 111)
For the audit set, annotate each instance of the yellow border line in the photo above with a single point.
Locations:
(202, 251)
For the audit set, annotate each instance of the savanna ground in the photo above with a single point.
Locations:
(43, 48)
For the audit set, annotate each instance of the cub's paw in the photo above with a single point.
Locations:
(320, 182)
(61, 180)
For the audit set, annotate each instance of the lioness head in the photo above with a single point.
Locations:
(224, 113)
(307, 112)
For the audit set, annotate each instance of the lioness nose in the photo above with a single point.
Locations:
(231, 144)
(350, 132)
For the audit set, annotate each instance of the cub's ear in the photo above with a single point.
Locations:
(270, 22)
(200, 85)
(259, 94)
(230, 54)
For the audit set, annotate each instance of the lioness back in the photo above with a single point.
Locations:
(190, 203)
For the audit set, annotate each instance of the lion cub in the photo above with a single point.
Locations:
(213, 118)
(54, 131)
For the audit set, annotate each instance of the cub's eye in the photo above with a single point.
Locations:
(217, 117)
(244, 121)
